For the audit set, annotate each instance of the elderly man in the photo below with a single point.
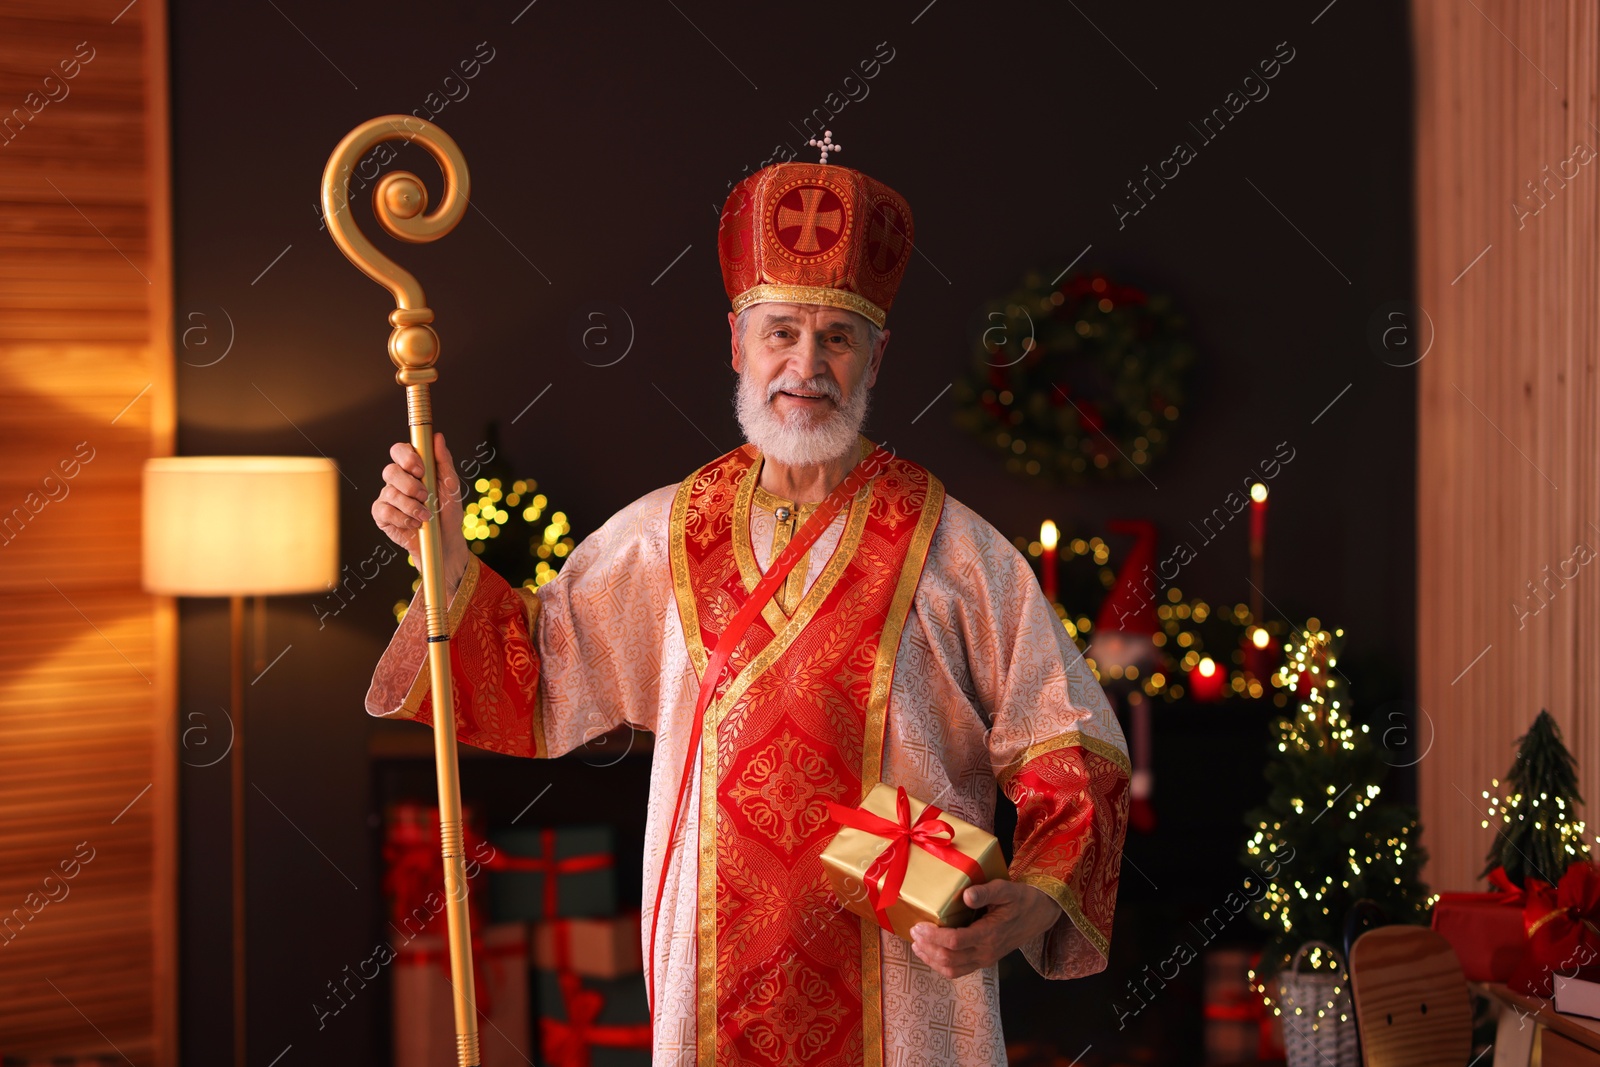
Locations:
(909, 644)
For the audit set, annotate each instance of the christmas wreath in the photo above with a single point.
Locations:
(1077, 381)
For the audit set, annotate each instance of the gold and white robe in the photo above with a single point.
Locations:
(987, 688)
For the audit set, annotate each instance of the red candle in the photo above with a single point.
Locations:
(1258, 520)
(1261, 654)
(1258, 548)
(1049, 536)
(1206, 680)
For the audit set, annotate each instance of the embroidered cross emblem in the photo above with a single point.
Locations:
(886, 237)
(826, 144)
(809, 220)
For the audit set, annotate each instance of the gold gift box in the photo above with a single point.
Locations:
(932, 888)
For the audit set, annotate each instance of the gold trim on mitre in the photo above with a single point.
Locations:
(810, 294)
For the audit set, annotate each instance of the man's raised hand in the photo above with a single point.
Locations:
(402, 506)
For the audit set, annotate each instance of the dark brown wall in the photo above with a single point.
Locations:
(602, 140)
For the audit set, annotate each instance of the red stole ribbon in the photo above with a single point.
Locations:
(798, 545)
(928, 832)
(567, 1042)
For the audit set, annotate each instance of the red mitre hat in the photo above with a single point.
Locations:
(814, 233)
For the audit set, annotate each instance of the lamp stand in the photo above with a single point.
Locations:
(236, 709)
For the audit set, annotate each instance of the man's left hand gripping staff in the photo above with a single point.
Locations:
(402, 506)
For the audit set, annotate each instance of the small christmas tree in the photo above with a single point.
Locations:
(1324, 839)
(1540, 834)
(507, 521)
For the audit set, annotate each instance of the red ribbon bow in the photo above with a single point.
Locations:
(567, 1042)
(1510, 893)
(414, 867)
(1563, 924)
(928, 832)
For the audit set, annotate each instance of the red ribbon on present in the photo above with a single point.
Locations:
(929, 833)
(1513, 893)
(414, 864)
(546, 863)
(567, 1042)
(1563, 924)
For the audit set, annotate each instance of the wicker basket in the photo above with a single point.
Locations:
(1319, 1023)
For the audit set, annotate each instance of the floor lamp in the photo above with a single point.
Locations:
(239, 526)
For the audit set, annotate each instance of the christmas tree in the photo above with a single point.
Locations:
(506, 520)
(1325, 839)
(1540, 833)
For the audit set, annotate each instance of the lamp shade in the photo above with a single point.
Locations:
(240, 525)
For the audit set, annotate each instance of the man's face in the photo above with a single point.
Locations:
(808, 360)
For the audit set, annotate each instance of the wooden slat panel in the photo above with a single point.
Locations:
(88, 736)
(1508, 460)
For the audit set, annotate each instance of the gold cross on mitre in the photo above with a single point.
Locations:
(826, 144)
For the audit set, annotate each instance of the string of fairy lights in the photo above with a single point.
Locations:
(1505, 808)
(1205, 645)
(1373, 863)
(515, 511)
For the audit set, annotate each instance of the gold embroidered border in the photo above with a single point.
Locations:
(749, 573)
(750, 492)
(688, 613)
(780, 642)
(706, 897)
(810, 294)
(792, 628)
(1063, 895)
(452, 622)
(872, 749)
(794, 587)
(1070, 739)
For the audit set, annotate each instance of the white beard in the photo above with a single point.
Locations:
(803, 440)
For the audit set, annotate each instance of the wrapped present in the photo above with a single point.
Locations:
(1485, 929)
(587, 1022)
(1238, 1025)
(413, 878)
(424, 1004)
(1563, 930)
(899, 861)
(554, 872)
(593, 948)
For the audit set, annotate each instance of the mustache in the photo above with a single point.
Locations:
(818, 384)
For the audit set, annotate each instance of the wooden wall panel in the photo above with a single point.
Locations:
(1508, 462)
(87, 661)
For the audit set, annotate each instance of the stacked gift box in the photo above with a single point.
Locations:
(588, 973)
(423, 1000)
(557, 965)
(1238, 1025)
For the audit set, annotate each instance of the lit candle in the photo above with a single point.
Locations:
(1206, 680)
(1258, 547)
(1048, 538)
(1260, 653)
